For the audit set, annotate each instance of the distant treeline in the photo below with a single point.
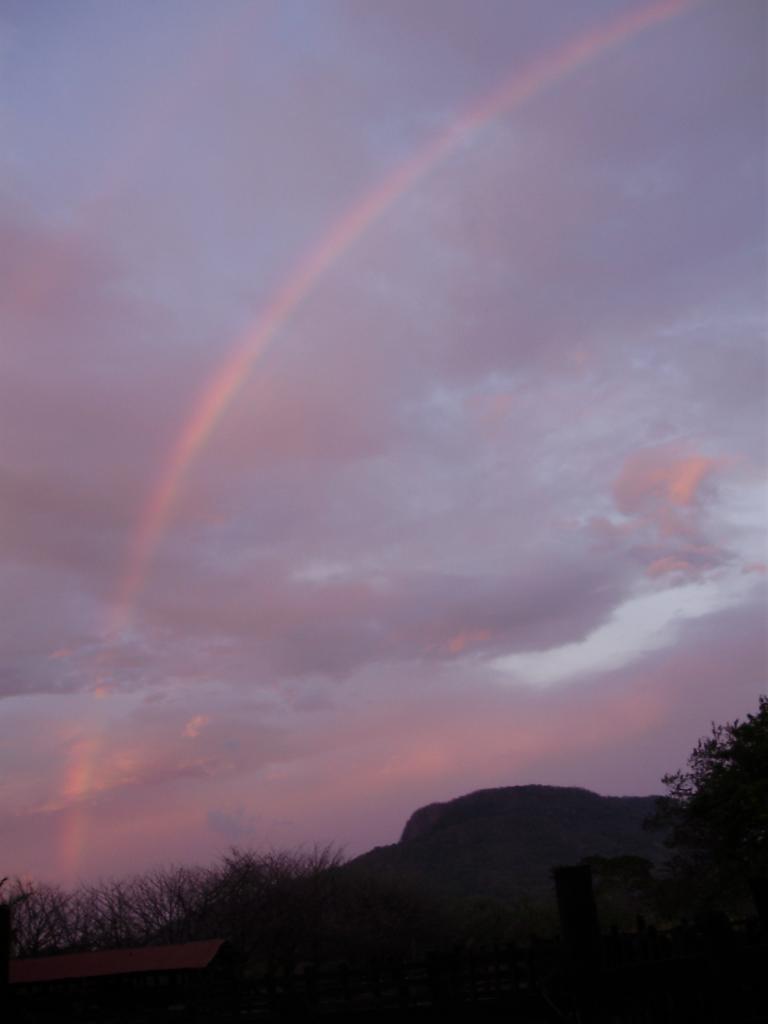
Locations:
(281, 908)
(275, 907)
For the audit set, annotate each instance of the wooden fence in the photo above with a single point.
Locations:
(648, 977)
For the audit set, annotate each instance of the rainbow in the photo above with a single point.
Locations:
(226, 381)
(222, 387)
(77, 785)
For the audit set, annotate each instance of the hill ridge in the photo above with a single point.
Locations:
(503, 841)
(435, 812)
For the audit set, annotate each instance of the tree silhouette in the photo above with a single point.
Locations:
(716, 809)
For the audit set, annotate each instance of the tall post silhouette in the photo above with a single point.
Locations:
(5, 948)
(581, 936)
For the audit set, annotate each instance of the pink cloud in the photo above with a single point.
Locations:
(657, 482)
(664, 494)
(466, 639)
(194, 725)
(670, 564)
(411, 737)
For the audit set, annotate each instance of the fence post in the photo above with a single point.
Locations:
(758, 885)
(581, 936)
(5, 956)
(5, 944)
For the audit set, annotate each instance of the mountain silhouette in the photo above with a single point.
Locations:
(503, 843)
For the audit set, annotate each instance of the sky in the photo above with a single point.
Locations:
(382, 411)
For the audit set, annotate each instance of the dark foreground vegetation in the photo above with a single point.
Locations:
(620, 937)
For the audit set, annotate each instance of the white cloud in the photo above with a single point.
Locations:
(646, 622)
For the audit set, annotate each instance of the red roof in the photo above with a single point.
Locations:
(183, 956)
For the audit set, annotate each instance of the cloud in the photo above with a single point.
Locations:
(668, 497)
(648, 620)
(338, 625)
(194, 725)
(522, 419)
(236, 825)
(402, 739)
(660, 485)
(671, 565)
